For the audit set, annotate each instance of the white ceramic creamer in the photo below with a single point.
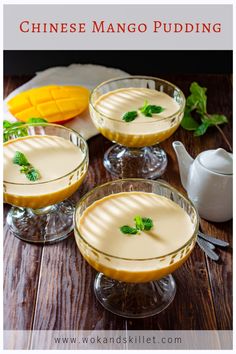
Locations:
(208, 181)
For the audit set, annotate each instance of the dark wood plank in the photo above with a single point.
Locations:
(21, 274)
(21, 268)
(220, 274)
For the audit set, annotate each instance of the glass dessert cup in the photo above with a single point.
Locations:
(135, 288)
(40, 211)
(136, 154)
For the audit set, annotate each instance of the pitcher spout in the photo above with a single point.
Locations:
(184, 161)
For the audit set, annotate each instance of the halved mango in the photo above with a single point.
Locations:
(54, 103)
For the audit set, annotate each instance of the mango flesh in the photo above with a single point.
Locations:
(54, 103)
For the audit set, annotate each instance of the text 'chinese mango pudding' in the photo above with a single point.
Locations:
(135, 232)
(137, 113)
(43, 166)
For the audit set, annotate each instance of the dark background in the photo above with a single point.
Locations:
(134, 62)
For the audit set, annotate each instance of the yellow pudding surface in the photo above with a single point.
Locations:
(134, 255)
(55, 158)
(143, 131)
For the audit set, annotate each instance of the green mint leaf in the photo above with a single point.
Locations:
(155, 109)
(201, 130)
(128, 230)
(214, 119)
(139, 223)
(33, 175)
(188, 122)
(130, 116)
(20, 159)
(30, 172)
(198, 99)
(148, 223)
(149, 109)
(6, 124)
(197, 102)
(11, 131)
(36, 120)
(17, 124)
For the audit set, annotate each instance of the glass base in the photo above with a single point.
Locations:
(134, 300)
(42, 226)
(147, 162)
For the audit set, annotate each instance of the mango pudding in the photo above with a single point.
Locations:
(143, 130)
(42, 168)
(136, 113)
(54, 157)
(100, 226)
(138, 232)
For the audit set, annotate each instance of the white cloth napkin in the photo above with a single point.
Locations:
(87, 75)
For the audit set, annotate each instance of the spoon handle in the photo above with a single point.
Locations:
(210, 253)
(208, 244)
(213, 240)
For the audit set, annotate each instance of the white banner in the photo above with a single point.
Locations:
(117, 27)
(70, 340)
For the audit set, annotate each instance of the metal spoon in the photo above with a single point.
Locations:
(204, 245)
(213, 240)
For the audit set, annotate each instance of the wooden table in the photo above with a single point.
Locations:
(51, 287)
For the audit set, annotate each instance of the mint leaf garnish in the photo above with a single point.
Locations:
(20, 159)
(33, 175)
(155, 109)
(30, 172)
(141, 224)
(148, 223)
(130, 116)
(149, 109)
(128, 230)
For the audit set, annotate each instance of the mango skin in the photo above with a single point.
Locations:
(54, 103)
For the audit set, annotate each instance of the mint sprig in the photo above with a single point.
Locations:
(147, 110)
(196, 118)
(10, 128)
(141, 224)
(30, 172)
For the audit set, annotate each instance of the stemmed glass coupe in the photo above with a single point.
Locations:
(41, 211)
(137, 152)
(134, 288)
